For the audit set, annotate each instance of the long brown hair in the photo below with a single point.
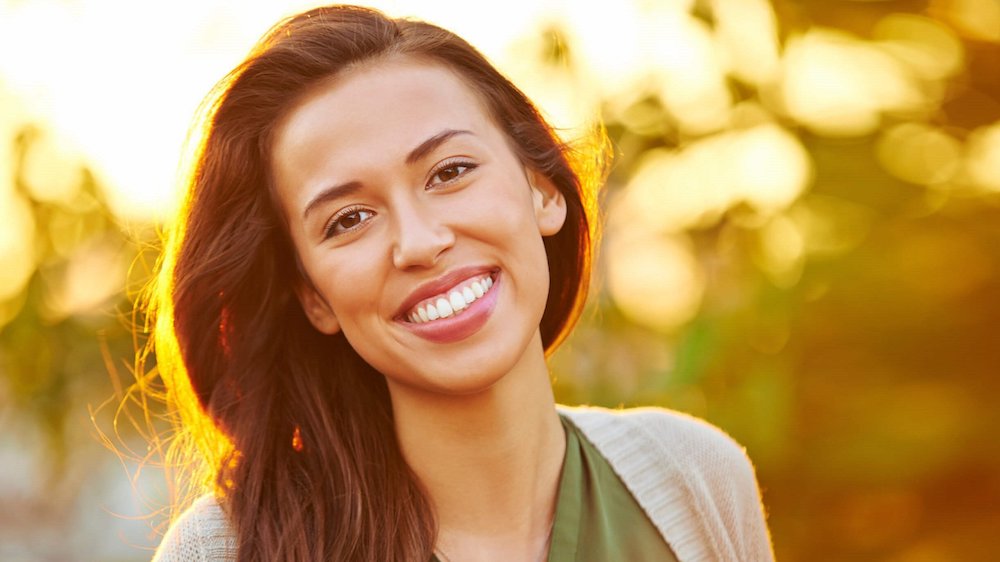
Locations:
(297, 429)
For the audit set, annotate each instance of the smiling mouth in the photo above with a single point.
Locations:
(452, 302)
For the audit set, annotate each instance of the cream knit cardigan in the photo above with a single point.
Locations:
(695, 483)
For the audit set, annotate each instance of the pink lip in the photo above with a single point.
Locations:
(456, 327)
(438, 286)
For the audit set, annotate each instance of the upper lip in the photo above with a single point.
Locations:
(440, 285)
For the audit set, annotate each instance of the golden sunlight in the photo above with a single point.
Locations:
(689, 70)
(748, 30)
(51, 168)
(839, 85)
(978, 19)
(17, 249)
(927, 47)
(92, 276)
(121, 96)
(17, 244)
(780, 251)
(654, 278)
(919, 153)
(983, 158)
(764, 167)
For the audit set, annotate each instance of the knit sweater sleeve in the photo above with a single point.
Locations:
(201, 534)
(695, 482)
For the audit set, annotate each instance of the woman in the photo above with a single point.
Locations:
(381, 242)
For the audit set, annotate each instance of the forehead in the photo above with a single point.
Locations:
(386, 106)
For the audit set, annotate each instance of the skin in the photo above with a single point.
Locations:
(475, 417)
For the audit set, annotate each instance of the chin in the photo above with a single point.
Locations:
(455, 377)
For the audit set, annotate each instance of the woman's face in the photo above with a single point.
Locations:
(418, 227)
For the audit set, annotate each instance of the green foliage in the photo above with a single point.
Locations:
(858, 367)
(57, 358)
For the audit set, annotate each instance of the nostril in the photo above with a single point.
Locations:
(416, 247)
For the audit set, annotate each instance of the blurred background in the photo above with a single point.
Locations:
(802, 245)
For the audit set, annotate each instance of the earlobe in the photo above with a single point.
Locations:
(316, 308)
(549, 203)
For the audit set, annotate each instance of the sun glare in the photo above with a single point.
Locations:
(122, 98)
(120, 84)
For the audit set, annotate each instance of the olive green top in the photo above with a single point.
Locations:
(693, 481)
(597, 519)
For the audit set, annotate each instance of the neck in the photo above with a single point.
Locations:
(489, 461)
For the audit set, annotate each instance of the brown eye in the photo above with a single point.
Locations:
(451, 173)
(347, 221)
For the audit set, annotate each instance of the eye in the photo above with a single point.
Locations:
(448, 172)
(347, 220)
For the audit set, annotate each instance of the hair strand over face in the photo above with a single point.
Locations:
(296, 427)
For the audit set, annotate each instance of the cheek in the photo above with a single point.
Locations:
(350, 281)
(502, 204)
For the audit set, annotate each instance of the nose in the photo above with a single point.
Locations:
(422, 235)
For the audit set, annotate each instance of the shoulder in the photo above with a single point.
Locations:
(660, 433)
(695, 482)
(201, 534)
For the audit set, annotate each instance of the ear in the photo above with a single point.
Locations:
(317, 310)
(549, 203)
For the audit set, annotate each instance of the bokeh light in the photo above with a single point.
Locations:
(837, 84)
(765, 168)
(928, 48)
(983, 162)
(800, 245)
(979, 19)
(920, 153)
(654, 279)
(16, 245)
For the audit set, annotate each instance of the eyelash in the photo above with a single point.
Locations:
(448, 165)
(329, 231)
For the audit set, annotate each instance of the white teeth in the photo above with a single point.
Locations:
(455, 301)
(444, 308)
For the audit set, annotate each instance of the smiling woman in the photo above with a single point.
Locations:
(381, 241)
(428, 202)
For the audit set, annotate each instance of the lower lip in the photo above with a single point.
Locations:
(459, 327)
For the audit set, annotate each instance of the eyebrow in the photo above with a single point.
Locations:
(351, 187)
(430, 144)
(331, 193)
